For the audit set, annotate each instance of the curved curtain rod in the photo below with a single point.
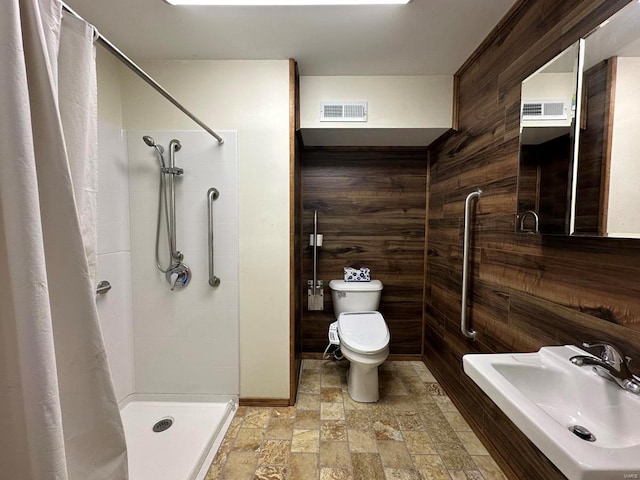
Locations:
(144, 75)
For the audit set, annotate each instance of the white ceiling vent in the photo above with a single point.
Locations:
(343, 111)
(545, 110)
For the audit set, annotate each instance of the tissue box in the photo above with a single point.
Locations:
(357, 274)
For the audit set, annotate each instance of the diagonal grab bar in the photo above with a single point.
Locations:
(212, 195)
(469, 333)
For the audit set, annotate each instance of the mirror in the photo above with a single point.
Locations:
(607, 193)
(578, 174)
(546, 145)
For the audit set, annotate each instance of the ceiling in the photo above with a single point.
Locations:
(618, 36)
(425, 37)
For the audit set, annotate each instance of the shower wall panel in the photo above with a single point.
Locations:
(114, 249)
(114, 259)
(186, 341)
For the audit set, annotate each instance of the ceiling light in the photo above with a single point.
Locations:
(256, 3)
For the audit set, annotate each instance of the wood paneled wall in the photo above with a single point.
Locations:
(295, 238)
(592, 192)
(371, 211)
(527, 291)
(551, 163)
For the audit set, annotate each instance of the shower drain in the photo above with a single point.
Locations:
(163, 424)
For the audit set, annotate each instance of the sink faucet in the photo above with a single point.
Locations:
(536, 218)
(612, 364)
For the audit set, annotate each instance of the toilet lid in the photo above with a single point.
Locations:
(363, 332)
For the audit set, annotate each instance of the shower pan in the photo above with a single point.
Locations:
(183, 371)
(161, 431)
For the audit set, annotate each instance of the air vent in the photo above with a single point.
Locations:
(343, 112)
(545, 110)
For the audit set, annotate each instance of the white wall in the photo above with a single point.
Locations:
(410, 110)
(624, 196)
(251, 97)
(395, 101)
(549, 86)
(114, 250)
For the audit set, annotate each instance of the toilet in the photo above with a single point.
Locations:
(363, 334)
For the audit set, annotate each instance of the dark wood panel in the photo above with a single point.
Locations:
(295, 237)
(527, 290)
(371, 207)
(573, 283)
(551, 161)
(594, 155)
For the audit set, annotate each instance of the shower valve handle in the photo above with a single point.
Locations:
(179, 276)
(174, 279)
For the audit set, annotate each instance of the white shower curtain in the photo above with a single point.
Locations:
(60, 416)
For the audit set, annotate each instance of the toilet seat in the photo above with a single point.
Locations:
(363, 332)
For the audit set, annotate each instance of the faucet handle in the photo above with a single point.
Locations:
(610, 353)
(178, 276)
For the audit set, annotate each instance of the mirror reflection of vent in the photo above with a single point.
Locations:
(545, 110)
(343, 112)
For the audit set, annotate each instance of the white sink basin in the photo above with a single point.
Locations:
(544, 394)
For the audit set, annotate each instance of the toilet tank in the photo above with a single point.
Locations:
(355, 296)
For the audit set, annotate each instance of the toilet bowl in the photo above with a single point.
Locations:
(363, 334)
(364, 341)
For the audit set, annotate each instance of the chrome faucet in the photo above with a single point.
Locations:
(524, 215)
(611, 364)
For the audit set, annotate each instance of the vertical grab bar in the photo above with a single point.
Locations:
(315, 251)
(174, 146)
(212, 195)
(315, 293)
(465, 264)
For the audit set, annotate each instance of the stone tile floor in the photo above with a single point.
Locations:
(414, 432)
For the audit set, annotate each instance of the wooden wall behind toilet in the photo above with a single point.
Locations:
(371, 211)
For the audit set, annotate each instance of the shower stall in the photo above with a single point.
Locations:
(171, 336)
(147, 382)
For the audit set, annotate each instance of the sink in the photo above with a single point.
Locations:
(544, 394)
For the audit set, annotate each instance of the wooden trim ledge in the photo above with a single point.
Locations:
(264, 402)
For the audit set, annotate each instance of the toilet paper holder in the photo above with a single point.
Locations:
(317, 236)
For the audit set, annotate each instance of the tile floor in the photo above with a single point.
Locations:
(413, 433)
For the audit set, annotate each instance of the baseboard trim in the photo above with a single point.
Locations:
(311, 356)
(264, 402)
(398, 357)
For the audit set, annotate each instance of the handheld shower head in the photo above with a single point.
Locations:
(152, 143)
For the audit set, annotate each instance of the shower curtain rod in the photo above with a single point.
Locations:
(144, 75)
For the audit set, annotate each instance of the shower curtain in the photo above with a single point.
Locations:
(59, 411)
